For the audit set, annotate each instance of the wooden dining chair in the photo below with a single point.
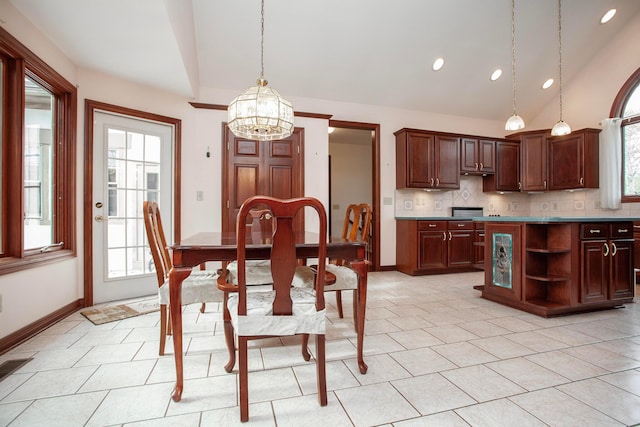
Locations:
(283, 309)
(199, 287)
(356, 228)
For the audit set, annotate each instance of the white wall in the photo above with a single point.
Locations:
(30, 295)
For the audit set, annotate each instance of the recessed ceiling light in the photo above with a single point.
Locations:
(547, 84)
(607, 16)
(438, 64)
(496, 75)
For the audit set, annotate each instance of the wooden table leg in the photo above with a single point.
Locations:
(176, 277)
(360, 267)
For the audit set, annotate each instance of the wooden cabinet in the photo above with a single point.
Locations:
(566, 267)
(437, 246)
(533, 160)
(478, 245)
(507, 174)
(573, 160)
(427, 160)
(477, 156)
(607, 261)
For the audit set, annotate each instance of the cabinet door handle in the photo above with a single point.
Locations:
(606, 249)
(545, 184)
(437, 182)
(519, 186)
(481, 166)
(614, 249)
(449, 235)
(444, 236)
(581, 180)
(432, 182)
(476, 165)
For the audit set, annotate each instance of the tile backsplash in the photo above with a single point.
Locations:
(584, 203)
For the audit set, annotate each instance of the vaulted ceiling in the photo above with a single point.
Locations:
(376, 52)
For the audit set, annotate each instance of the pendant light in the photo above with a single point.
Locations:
(515, 122)
(562, 127)
(260, 112)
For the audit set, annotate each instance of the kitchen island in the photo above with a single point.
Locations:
(551, 266)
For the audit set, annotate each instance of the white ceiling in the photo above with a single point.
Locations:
(375, 52)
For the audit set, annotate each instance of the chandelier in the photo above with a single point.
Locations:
(260, 112)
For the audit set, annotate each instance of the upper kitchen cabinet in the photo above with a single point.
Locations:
(533, 160)
(573, 160)
(477, 156)
(427, 160)
(507, 175)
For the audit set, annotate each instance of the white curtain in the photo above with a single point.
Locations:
(610, 164)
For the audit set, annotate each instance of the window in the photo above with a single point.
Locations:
(37, 155)
(627, 107)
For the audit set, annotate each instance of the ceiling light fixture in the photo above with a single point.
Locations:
(438, 64)
(547, 84)
(607, 16)
(515, 122)
(260, 112)
(496, 75)
(562, 127)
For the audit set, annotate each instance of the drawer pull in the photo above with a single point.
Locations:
(594, 231)
(461, 225)
(432, 225)
(622, 230)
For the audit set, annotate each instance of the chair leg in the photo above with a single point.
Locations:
(339, 303)
(202, 307)
(355, 310)
(305, 347)
(321, 369)
(163, 328)
(228, 336)
(244, 379)
(169, 331)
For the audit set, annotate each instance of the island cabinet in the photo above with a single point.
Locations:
(428, 160)
(607, 259)
(573, 160)
(478, 245)
(434, 246)
(558, 267)
(507, 174)
(477, 156)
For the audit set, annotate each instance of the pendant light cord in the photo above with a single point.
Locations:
(513, 52)
(262, 42)
(560, 53)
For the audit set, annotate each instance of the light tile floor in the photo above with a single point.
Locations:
(438, 355)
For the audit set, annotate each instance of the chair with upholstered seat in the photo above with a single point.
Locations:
(356, 227)
(283, 309)
(199, 287)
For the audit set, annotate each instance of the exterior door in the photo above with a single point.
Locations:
(270, 168)
(132, 162)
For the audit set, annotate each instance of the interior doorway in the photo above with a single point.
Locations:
(354, 170)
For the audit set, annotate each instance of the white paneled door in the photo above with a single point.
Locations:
(132, 162)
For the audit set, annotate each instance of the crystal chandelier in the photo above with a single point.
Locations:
(562, 127)
(514, 122)
(260, 112)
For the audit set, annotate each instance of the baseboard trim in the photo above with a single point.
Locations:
(23, 334)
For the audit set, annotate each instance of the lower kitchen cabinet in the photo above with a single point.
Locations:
(438, 246)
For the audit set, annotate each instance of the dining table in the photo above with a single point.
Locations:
(221, 246)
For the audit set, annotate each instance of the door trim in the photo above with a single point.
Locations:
(375, 159)
(90, 107)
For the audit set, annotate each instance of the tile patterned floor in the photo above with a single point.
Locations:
(438, 355)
